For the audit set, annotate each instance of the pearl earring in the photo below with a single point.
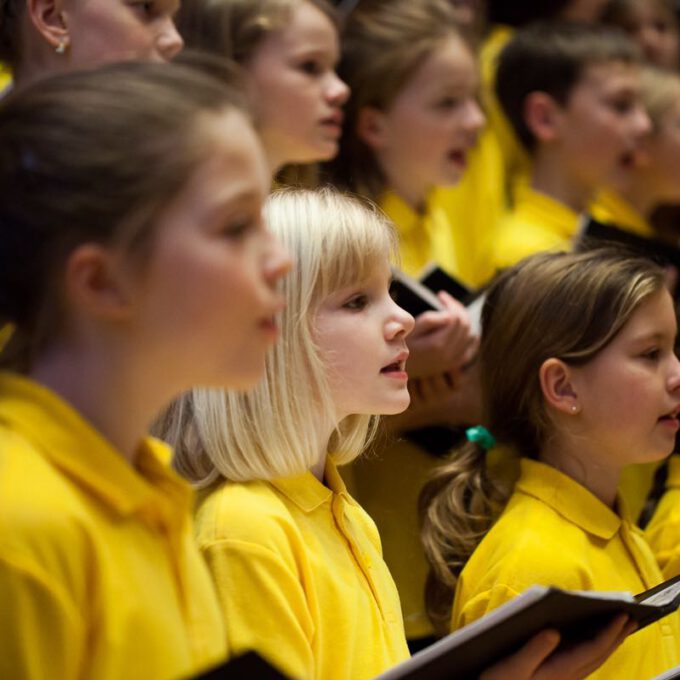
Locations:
(574, 408)
(61, 47)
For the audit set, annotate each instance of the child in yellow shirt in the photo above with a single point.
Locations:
(571, 94)
(580, 378)
(111, 185)
(297, 562)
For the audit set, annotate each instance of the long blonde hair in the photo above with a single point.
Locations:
(564, 305)
(274, 430)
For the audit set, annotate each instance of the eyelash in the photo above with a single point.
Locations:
(651, 354)
(356, 303)
(311, 67)
(237, 229)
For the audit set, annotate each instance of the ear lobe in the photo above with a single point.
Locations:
(541, 114)
(557, 385)
(371, 127)
(94, 282)
(49, 20)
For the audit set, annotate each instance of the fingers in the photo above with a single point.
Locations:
(577, 662)
(523, 664)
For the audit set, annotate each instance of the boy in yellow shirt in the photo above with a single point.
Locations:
(571, 93)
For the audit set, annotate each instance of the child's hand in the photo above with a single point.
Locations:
(441, 341)
(535, 660)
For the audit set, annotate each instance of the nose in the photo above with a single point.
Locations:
(169, 42)
(641, 124)
(475, 119)
(337, 90)
(674, 375)
(400, 323)
(277, 260)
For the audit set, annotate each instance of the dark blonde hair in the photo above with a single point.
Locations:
(91, 157)
(384, 42)
(234, 28)
(564, 305)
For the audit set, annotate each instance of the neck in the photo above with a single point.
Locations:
(105, 388)
(412, 192)
(550, 178)
(576, 461)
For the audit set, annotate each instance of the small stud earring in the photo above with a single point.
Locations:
(61, 47)
(574, 408)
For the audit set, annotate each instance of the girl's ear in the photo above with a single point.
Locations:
(371, 127)
(96, 283)
(542, 115)
(558, 386)
(49, 19)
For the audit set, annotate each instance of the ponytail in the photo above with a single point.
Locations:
(457, 506)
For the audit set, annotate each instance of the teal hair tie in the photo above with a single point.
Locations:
(480, 435)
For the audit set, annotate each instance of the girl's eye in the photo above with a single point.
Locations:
(147, 8)
(356, 303)
(448, 103)
(311, 67)
(623, 105)
(237, 229)
(651, 354)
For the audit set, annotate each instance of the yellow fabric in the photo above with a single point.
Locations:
(609, 207)
(516, 160)
(537, 222)
(456, 222)
(99, 575)
(5, 332)
(387, 485)
(663, 530)
(635, 485)
(300, 576)
(5, 77)
(555, 532)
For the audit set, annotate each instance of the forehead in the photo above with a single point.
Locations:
(655, 315)
(306, 25)
(233, 162)
(450, 65)
(608, 78)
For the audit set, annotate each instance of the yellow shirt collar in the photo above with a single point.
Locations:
(71, 444)
(673, 479)
(537, 208)
(611, 208)
(307, 492)
(401, 213)
(569, 499)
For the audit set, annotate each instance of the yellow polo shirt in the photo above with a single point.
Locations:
(537, 223)
(609, 207)
(99, 574)
(299, 571)
(663, 530)
(516, 160)
(456, 222)
(555, 532)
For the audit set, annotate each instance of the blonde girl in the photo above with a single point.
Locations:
(411, 122)
(288, 50)
(111, 184)
(579, 378)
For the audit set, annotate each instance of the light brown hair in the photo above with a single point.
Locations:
(91, 156)
(384, 42)
(564, 305)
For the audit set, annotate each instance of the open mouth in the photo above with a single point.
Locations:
(671, 418)
(396, 367)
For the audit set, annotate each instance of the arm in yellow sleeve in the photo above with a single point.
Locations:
(42, 634)
(264, 605)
